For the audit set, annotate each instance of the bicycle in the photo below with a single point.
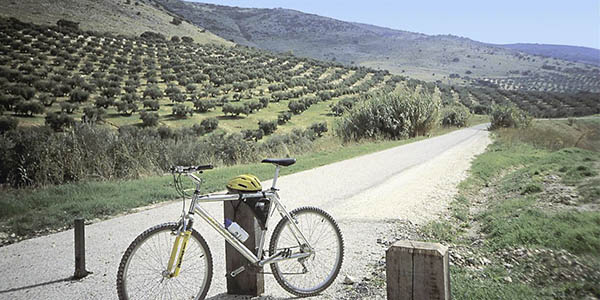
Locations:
(305, 253)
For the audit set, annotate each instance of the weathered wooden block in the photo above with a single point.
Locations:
(417, 270)
(248, 282)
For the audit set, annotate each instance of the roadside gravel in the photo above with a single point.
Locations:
(367, 195)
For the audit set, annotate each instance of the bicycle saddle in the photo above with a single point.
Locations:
(280, 161)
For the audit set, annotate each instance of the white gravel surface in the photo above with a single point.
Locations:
(364, 194)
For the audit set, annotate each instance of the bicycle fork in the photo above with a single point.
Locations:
(177, 253)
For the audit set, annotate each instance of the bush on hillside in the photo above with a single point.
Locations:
(8, 123)
(267, 127)
(182, 111)
(319, 128)
(284, 117)
(93, 115)
(395, 115)
(508, 116)
(210, 124)
(455, 115)
(149, 118)
(203, 105)
(59, 121)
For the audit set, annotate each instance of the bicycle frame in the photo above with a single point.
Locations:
(276, 204)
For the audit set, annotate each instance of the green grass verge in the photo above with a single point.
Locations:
(27, 211)
(521, 210)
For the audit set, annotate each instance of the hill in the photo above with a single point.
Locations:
(127, 17)
(573, 53)
(444, 58)
(58, 76)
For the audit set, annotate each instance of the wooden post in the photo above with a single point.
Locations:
(250, 282)
(80, 270)
(417, 270)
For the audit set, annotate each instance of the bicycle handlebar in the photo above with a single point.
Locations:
(189, 169)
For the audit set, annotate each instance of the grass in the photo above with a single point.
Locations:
(519, 211)
(27, 211)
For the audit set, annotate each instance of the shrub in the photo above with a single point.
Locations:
(235, 109)
(210, 124)
(505, 116)
(341, 106)
(126, 108)
(149, 118)
(68, 108)
(153, 105)
(253, 105)
(130, 97)
(198, 129)
(111, 92)
(29, 108)
(187, 39)
(177, 97)
(22, 90)
(252, 135)
(268, 127)
(93, 115)
(319, 128)
(66, 24)
(59, 121)
(455, 115)
(153, 91)
(78, 95)
(283, 117)
(182, 111)
(153, 36)
(203, 105)
(101, 101)
(61, 90)
(297, 107)
(395, 115)
(8, 123)
(264, 101)
(8, 102)
(176, 21)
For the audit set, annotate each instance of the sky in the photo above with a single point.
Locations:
(563, 22)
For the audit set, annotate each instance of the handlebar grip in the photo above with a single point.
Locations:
(189, 169)
(204, 167)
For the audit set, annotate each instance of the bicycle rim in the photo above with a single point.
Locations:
(144, 266)
(323, 266)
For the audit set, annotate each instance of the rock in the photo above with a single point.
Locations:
(349, 280)
(485, 261)
(13, 235)
(508, 279)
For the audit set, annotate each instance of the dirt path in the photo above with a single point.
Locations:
(366, 195)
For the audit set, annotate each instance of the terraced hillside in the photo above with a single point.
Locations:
(85, 76)
(127, 17)
(59, 75)
(442, 58)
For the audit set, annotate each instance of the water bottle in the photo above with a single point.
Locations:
(237, 230)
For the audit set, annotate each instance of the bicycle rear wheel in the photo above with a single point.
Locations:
(312, 275)
(143, 269)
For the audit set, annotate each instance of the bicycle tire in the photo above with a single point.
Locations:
(151, 250)
(303, 216)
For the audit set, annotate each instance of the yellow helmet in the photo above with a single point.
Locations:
(244, 183)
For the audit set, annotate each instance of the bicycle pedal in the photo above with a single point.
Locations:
(237, 271)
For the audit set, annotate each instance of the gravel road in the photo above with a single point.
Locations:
(366, 195)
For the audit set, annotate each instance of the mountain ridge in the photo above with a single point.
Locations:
(435, 58)
(582, 54)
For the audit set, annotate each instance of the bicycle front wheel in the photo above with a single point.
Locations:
(311, 275)
(143, 270)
